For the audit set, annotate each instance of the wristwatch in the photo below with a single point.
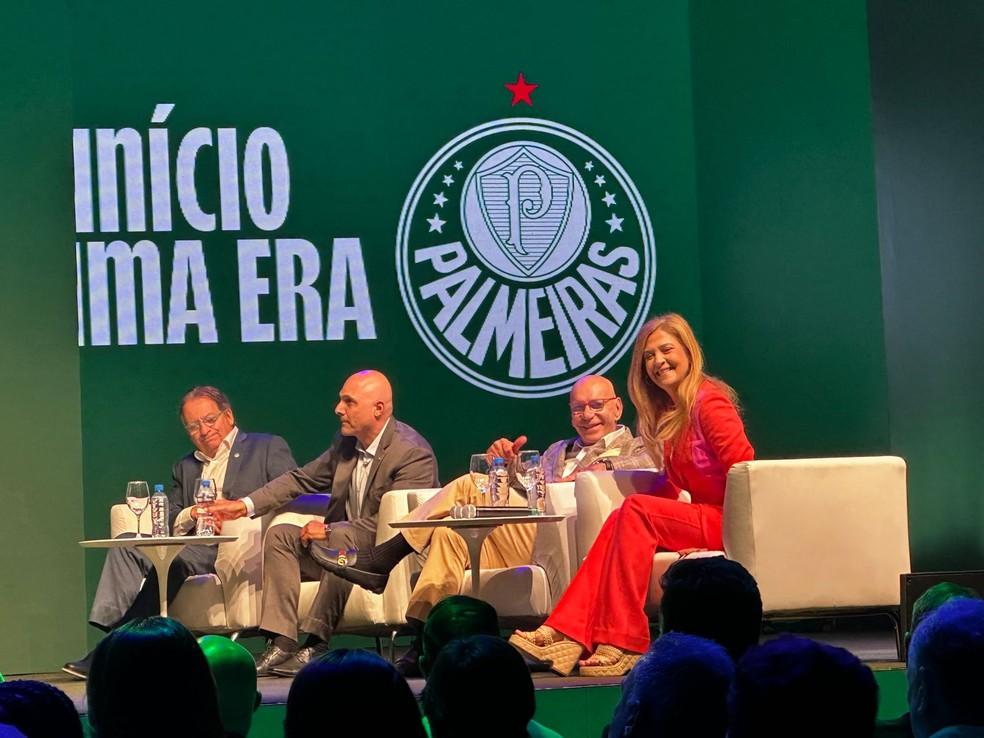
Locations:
(607, 463)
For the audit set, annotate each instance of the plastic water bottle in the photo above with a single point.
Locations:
(158, 512)
(499, 482)
(537, 490)
(205, 525)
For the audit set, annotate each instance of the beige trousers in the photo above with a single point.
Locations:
(447, 560)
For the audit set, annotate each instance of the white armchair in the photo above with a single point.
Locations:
(818, 535)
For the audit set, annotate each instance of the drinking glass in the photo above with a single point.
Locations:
(527, 462)
(478, 468)
(137, 499)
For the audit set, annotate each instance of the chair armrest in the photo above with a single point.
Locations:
(598, 493)
(122, 520)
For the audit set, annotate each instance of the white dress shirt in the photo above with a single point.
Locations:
(213, 468)
(357, 492)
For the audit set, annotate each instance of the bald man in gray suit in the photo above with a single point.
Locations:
(372, 454)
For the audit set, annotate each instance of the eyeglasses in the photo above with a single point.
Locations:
(596, 405)
(209, 420)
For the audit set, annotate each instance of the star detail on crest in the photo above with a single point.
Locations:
(608, 199)
(600, 181)
(458, 165)
(440, 199)
(614, 223)
(589, 165)
(436, 224)
(448, 180)
(521, 90)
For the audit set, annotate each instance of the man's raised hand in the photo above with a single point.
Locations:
(506, 448)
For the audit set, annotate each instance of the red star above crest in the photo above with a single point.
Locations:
(521, 90)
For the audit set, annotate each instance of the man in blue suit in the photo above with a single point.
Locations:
(237, 462)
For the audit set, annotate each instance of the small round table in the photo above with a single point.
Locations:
(475, 531)
(160, 551)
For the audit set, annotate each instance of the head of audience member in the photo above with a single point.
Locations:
(945, 658)
(365, 403)
(147, 659)
(595, 408)
(234, 672)
(932, 598)
(484, 666)
(207, 417)
(337, 693)
(458, 616)
(665, 373)
(9, 731)
(38, 710)
(796, 686)
(679, 689)
(712, 597)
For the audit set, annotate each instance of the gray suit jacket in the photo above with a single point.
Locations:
(404, 460)
(254, 459)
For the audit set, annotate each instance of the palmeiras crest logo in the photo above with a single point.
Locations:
(525, 257)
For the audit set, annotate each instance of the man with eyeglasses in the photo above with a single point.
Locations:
(601, 443)
(238, 462)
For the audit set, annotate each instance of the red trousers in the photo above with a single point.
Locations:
(605, 602)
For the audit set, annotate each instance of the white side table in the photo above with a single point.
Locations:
(160, 551)
(475, 531)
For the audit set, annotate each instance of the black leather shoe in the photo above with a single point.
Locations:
(273, 656)
(79, 669)
(339, 561)
(407, 664)
(299, 660)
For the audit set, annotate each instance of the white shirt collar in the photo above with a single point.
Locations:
(224, 446)
(606, 440)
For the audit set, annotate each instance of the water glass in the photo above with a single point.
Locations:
(529, 470)
(137, 499)
(478, 469)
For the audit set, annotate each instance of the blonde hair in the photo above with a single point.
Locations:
(660, 420)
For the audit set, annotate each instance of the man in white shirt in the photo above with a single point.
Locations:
(601, 443)
(236, 462)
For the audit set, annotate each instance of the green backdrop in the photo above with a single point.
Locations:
(746, 129)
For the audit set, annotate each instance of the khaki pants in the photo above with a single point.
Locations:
(447, 560)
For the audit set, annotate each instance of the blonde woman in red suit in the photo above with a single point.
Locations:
(691, 420)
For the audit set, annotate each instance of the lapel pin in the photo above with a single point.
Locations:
(235, 455)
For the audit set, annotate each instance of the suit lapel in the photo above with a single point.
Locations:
(384, 444)
(233, 466)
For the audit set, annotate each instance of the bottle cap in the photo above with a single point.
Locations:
(158, 488)
(535, 459)
(206, 483)
(498, 460)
